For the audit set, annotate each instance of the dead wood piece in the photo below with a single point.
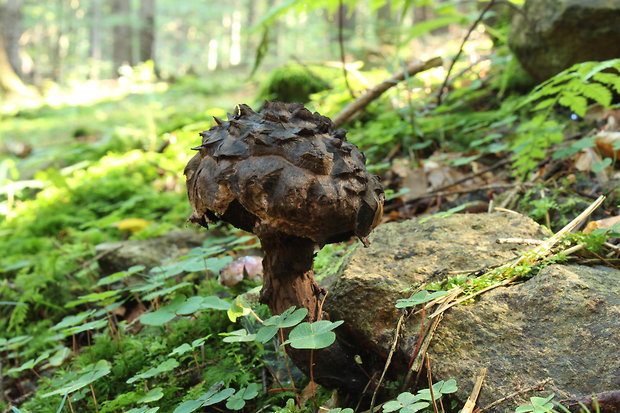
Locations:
(536, 387)
(607, 402)
(470, 404)
(363, 101)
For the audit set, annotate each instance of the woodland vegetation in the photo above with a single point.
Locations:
(100, 103)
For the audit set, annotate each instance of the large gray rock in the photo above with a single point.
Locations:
(406, 255)
(563, 323)
(552, 35)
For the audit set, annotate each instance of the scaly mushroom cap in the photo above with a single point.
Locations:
(283, 169)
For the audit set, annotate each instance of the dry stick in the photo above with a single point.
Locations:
(92, 391)
(417, 363)
(467, 297)
(372, 94)
(456, 58)
(341, 43)
(459, 192)
(288, 368)
(520, 241)
(537, 386)
(430, 382)
(472, 175)
(471, 400)
(387, 362)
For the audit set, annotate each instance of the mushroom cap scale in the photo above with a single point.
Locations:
(283, 169)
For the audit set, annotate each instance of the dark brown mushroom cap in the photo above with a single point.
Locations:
(283, 169)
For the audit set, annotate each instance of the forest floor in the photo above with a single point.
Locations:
(75, 176)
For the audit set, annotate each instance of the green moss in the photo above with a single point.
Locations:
(292, 83)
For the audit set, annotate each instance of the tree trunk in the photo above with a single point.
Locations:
(147, 30)
(122, 50)
(9, 81)
(12, 22)
(96, 30)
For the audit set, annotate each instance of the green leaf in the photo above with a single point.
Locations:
(72, 320)
(415, 407)
(30, 364)
(188, 406)
(266, 333)
(599, 166)
(157, 318)
(544, 104)
(91, 325)
(420, 297)
(238, 336)
(182, 349)
(164, 367)
(120, 275)
(574, 102)
(153, 395)
(60, 356)
(190, 306)
(165, 291)
(214, 302)
(93, 372)
(237, 401)
(143, 409)
(313, 335)
(288, 318)
(449, 387)
(216, 398)
(237, 310)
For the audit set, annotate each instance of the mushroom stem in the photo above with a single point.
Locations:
(288, 280)
(288, 276)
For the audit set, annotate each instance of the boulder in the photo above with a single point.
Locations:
(552, 35)
(120, 255)
(562, 323)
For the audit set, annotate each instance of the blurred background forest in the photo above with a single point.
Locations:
(481, 104)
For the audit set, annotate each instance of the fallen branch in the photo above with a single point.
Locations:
(605, 402)
(372, 94)
(537, 386)
(387, 362)
(470, 404)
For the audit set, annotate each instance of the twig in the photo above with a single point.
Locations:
(520, 241)
(288, 368)
(510, 211)
(459, 192)
(471, 400)
(372, 94)
(341, 43)
(467, 297)
(456, 58)
(387, 362)
(608, 401)
(430, 382)
(472, 175)
(537, 386)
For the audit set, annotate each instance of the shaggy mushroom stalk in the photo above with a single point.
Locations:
(291, 178)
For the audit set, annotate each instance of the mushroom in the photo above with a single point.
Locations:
(291, 178)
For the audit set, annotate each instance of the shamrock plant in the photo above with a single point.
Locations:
(410, 403)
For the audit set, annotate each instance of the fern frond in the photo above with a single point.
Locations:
(610, 79)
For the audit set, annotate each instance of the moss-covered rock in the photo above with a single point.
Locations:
(292, 83)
